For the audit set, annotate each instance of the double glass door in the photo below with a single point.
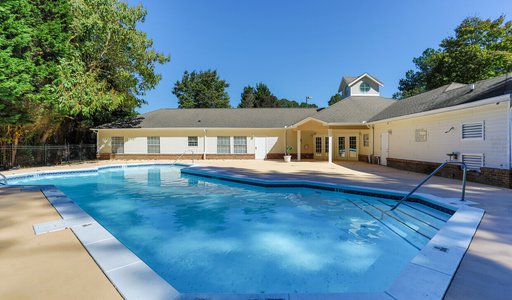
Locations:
(347, 147)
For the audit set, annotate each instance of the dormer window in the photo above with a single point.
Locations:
(364, 87)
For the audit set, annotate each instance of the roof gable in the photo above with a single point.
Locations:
(350, 81)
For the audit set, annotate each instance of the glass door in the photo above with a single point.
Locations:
(318, 146)
(342, 153)
(352, 147)
(347, 147)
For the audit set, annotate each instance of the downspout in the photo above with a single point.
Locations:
(509, 134)
(373, 140)
(285, 139)
(204, 143)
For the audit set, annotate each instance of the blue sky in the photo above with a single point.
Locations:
(299, 48)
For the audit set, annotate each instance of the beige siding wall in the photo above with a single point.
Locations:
(441, 140)
(174, 141)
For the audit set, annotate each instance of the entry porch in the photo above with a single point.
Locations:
(321, 141)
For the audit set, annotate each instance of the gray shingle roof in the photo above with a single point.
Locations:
(448, 95)
(349, 79)
(354, 109)
(218, 118)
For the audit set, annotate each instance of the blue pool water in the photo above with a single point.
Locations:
(207, 235)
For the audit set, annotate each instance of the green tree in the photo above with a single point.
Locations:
(335, 99)
(203, 89)
(15, 62)
(112, 63)
(307, 105)
(247, 97)
(479, 50)
(71, 63)
(258, 97)
(263, 97)
(284, 103)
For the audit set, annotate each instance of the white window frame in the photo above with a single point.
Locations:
(361, 87)
(115, 150)
(150, 140)
(366, 140)
(191, 143)
(240, 148)
(482, 123)
(473, 154)
(224, 145)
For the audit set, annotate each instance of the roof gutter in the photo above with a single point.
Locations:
(190, 128)
(497, 99)
(347, 124)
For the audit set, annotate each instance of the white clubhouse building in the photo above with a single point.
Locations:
(472, 122)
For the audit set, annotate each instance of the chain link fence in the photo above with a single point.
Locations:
(28, 156)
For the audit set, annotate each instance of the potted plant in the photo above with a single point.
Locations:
(287, 155)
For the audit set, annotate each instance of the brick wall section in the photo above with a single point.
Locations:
(363, 157)
(491, 176)
(174, 156)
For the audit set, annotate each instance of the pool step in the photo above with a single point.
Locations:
(427, 210)
(418, 221)
(421, 221)
(413, 237)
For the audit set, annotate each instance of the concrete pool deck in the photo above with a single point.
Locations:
(49, 266)
(486, 270)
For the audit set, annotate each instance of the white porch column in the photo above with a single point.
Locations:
(329, 132)
(298, 145)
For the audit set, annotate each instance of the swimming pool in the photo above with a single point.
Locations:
(209, 235)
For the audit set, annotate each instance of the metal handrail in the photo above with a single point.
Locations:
(463, 189)
(179, 157)
(2, 176)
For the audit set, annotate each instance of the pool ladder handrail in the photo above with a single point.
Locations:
(181, 155)
(2, 177)
(463, 188)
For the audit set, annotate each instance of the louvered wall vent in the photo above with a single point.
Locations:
(473, 131)
(473, 161)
